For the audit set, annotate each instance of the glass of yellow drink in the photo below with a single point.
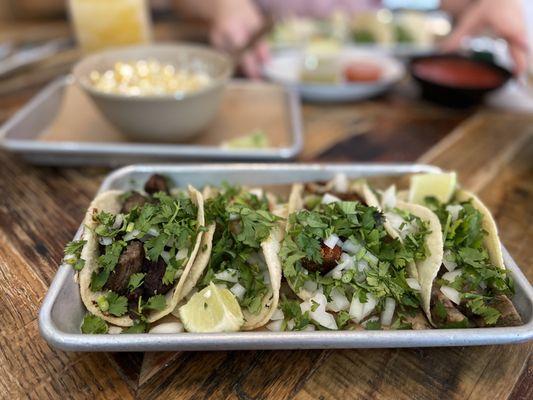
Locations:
(101, 24)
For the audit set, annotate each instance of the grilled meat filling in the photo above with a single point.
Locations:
(130, 262)
(329, 260)
(156, 183)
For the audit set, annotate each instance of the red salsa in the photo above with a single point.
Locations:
(458, 73)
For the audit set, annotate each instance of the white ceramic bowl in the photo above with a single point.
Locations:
(284, 68)
(159, 118)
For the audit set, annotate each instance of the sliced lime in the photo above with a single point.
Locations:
(441, 186)
(212, 310)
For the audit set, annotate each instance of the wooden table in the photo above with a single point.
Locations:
(41, 208)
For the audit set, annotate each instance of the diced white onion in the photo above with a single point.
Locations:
(290, 324)
(413, 283)
(362, 265)
(329, 198)
(331, 241)
(114, 330)
(238, 290)
(388, 311)
(256, 192)
(340, 183)
(170, 242)
(388, 198)
(338, 301)
(182, 254)
(325, 319)
(228, 275)
(165, 256)
(347, 262)
(275, 326)
(451, 293)
(153, 232)
(277, 315)
(131, 235)
(105, 241)
(167, 327)
(359, 311)
(233, 217)
(309, 328)
(451, 275)
(310, 286)
(351, 247)
(446, 260)
(319, 315)
(118, 221)
(454, 210)
(371, 258)
(396, 222)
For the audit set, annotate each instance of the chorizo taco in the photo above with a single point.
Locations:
(340, 259)
(470, 286)
(240, 251)
(136, 252)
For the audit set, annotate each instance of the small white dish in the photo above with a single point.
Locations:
(284, 68)
(166, 117)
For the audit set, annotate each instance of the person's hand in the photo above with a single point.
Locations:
(235, 22)
(504, 18)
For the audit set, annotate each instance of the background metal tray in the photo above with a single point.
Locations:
(23, 133)
(62, 310)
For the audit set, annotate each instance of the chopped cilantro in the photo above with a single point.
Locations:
(480, 279)
(136, 280)
(93, 324)
(157, 302)
(373, 326)
(118, 305)
(137, 327)
(73, 254)
(291, 311)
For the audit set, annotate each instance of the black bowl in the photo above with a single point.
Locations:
(455, 95)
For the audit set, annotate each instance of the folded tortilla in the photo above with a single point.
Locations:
(110, 202)
(270, 249)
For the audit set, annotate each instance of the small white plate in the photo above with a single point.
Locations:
(284, 68)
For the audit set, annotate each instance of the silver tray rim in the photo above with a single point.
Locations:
(265, 340)
(157, 150)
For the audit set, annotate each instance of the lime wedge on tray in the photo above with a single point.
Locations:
(212, 310)
(442, 186)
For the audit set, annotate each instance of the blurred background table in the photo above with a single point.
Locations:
(41, 208)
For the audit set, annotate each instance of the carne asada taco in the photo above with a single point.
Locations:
(138, 249)
(470, 287)
(338, 257)
(240, 251)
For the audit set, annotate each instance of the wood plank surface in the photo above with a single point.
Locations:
(41, 208)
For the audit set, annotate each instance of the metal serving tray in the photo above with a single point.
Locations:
(61, 126)
(62, 310)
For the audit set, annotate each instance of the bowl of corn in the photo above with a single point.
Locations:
(161, 92)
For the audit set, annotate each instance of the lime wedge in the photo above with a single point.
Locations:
(212, 310)
(442, 186)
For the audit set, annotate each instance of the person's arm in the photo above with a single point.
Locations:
(505, 18)
(232, 24)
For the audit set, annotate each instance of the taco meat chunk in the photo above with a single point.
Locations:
(509, 316)
(135, 199)
(156, 183)
(453, 315)
(153, 281)
(329, 260)
(130, 262)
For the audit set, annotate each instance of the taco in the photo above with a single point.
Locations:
(136, 252)
(338, 257)
(240, 251)
(470, 287)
